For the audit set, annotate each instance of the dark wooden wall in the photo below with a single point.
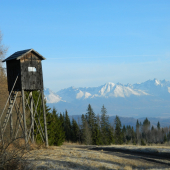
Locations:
(31, 80)
(13, 69)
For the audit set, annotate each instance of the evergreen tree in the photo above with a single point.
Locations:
(62, 120)
(111, 139)
(86, 132)
(91, 120)
(105, 126)
(165, 138)
(97, 139)
(67, 126)
(137, 130)
(133, 136)
(98, 131)
(75, 131)
(158, 126)
(124, 133)
(56, 134)
(152, 128)
(118, 131)
(145, 128)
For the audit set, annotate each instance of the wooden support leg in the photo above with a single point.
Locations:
(24, 116)
(45, 124)
(32, 117)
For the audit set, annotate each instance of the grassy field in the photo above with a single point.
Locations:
(74, 156)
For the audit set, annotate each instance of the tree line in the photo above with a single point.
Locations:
(92, 129)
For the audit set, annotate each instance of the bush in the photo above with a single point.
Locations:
(11, 155)
(142, 142)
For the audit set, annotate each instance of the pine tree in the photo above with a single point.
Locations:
(111, 136)
(133, 136)
(97, 140)
(98, 131)
(105, 126)
(91, 120)
(75, 131)
(118, 131)
(56, 132)
(62, 120)
(137, 130)
(86, 132)
(145, 128)
(158, 126)
(124, 133)
(152, 128)
(67, 126)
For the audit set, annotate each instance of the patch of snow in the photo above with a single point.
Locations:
(87, 95)
(168, 89)
(157, 82)
(79, 95)
(128, 91)
(102, 90)
(118, 92)
(52, 98)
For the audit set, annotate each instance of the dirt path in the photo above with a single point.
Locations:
(93, 157)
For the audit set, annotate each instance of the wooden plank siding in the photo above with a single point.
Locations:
(27, 80)
(31, 80)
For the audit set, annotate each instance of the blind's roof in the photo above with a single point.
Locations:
(19, 54)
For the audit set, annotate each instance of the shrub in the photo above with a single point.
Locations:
(142, 142)
(11, 155)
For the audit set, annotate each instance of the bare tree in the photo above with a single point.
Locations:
(3, 50)
(3, 78)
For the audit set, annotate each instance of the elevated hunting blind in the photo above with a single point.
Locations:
(24, 73)
(27, 66)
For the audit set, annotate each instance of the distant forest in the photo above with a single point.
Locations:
(92, 129)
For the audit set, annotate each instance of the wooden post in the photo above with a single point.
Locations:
(24, 116)
(32, 117)
(45, 124)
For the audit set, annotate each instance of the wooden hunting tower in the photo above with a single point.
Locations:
(27, 66)
(24, 73)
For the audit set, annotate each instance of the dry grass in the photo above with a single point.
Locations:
(71, 143)
(78, 157)
(11, 155)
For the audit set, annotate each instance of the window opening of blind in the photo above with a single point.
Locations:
(31, 69)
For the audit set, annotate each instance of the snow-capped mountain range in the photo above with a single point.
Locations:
(150, 97)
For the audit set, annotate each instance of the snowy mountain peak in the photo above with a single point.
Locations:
(109, 90)
(106, 88)
(157, 82)
(151, 97)
(51, 97)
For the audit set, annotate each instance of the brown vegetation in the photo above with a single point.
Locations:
(73, 156)
(11, 155)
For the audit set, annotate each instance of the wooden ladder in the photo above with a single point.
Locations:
(9, 111)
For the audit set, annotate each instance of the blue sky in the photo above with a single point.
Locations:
(91, 42)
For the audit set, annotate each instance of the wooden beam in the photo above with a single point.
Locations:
(45, 124)
(24, 116)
